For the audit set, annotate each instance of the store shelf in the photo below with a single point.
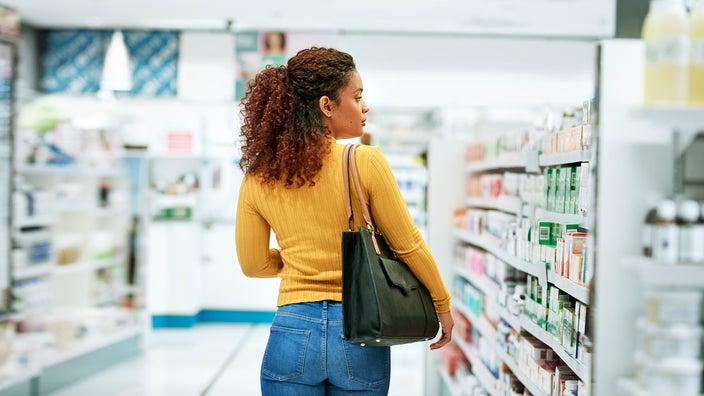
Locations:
(490, 290)
(56, 357)
(580, 292)
(505, 204)
(22, 376)
(554, 217)
(32, 271)
(478, 368)
(84, 266)
(36, 221)
(522, 377)
(577, 367)
(689, 118)
(481, 282)
(656, 273)
(481, 324)
(497, 251)
(450, 383)
(570, 157)
(510, 162)
(68, 170)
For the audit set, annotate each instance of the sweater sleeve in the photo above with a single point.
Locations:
(252, 233)
(393, 220)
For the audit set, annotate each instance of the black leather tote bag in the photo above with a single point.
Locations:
(383, 303)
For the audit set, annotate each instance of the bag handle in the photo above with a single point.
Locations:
(350, 164)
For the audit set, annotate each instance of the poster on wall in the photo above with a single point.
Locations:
(254, 50)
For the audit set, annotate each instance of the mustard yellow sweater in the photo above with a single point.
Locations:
(308, 223)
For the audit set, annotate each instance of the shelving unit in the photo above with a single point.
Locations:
(639, 163)
(89, 273)
(528, 162)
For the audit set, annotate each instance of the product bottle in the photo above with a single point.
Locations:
(687, 216)
(696, 65)
(666, 233)
(647, 237)
(666, 35)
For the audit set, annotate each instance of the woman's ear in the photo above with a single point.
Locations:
(325, 104)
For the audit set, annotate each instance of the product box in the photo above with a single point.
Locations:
(571, 208)
(558, 190)
(584, 188)
(549, 186)
(569, 334)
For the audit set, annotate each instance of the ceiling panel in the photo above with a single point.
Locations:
(561, 18)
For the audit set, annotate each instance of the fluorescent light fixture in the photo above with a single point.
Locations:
(117, 75)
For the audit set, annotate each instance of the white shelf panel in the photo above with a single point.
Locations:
(629, 387)
(89, 345)
(510, 162)
(655, 273)
(32, 271)
(577, 367)
(509, 205)
(570, 157)
(68, 170)
(542, 214)
(689, 118)
(580, 292)
(23, 376)
(84, 266)
(497, 251)
(37, 221)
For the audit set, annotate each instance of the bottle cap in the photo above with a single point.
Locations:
(689, 210)
(667, 209)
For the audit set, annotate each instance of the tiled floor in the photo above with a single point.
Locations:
(216, 360)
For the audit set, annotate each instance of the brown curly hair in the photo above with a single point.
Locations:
(282, 128)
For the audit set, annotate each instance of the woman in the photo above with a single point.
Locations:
(292, 116)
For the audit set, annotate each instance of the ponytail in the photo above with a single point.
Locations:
(284, 138)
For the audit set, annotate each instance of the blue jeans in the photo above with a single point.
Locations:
(306, 356)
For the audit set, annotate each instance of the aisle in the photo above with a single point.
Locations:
(215, 360)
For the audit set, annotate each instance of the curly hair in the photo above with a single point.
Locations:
(282, 128)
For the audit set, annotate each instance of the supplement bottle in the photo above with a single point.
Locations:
(696, 63)
(687, 217)
(666, 35)
(648, 230)
(666, 233)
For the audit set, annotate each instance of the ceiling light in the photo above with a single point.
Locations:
(117, 75)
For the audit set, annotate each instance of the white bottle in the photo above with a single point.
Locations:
(691, 249)
(666, 35)
(666, 233)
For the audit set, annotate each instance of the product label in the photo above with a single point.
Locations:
(698, 52)
(674, 50)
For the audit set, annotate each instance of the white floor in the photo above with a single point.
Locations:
(216, 360)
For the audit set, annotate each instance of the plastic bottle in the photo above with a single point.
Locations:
(666, 233)
(688, 216)
(666, 35)
(696, 65)
(648, 229)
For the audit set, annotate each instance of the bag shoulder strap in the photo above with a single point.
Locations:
(349, 164)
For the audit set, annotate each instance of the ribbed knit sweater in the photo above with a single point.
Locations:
(308, 223)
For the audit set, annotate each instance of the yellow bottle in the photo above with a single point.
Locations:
(696, 65)
(666, 34)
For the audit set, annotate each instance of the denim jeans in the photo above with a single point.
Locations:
(306, 355)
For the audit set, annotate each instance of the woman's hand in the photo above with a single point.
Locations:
(446, 324)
